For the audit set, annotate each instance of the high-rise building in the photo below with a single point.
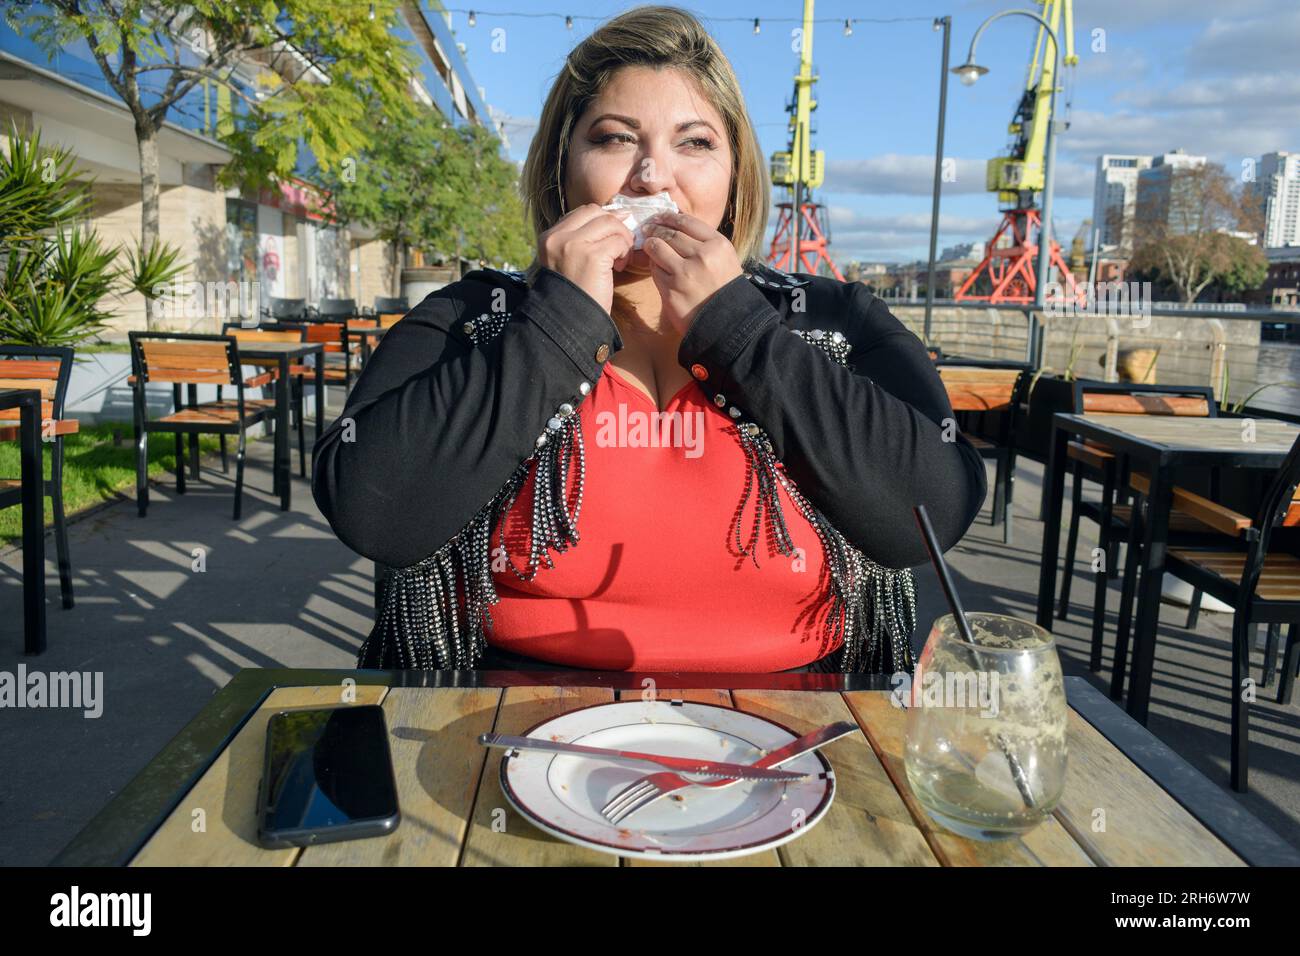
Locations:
(1161, 203)
(1114, 198)
(1277, 184)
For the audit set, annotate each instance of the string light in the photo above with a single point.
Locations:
(569, 18)
(848, 28)
(472, 19)
(372, 11)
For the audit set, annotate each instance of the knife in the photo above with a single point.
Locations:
(709, 768)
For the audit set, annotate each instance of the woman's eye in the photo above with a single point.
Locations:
(698, 142)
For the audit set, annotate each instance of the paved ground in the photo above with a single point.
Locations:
(280, 590)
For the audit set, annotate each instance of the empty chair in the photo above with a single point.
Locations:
(286, 310)
(385, 304)
(46, 368)
(1262, 584)
(190, 359)
(975, 387)
(337, 310)
(280, 332)
(390, 311)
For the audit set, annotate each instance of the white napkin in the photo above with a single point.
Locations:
(635, 210)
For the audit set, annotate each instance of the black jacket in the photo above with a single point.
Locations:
(467, 387)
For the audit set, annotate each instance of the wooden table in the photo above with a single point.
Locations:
(281, 355)
(1157, 808)
(365, 333)
(28, 403)
(1158, 445)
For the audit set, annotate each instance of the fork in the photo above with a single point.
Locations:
(655, 786)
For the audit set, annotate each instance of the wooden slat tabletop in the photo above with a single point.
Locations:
(1204, 434)
(454, 813)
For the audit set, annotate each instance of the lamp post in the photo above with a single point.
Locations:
(968, 73)
(946, 24)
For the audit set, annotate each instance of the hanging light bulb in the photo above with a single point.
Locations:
(372, 11)
(848, 28)
(472, 19)
(568, 23)
(755, 26)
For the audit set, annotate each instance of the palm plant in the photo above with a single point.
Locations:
(149, 270)
(55, 273)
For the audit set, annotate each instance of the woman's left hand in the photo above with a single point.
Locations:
(690, 261)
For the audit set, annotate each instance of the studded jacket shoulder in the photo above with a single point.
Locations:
(486, 377)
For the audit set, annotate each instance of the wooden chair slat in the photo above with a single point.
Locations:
(194, 362)
(265, 335)
(28, 368)
(185, 376)
(1279, 580)
(978, 398)
(62, 426)
(1090, 454)
(1208, 512)
(978, 375)
(388, 319)
(47, 386)
(1145, 404)
(15, 414)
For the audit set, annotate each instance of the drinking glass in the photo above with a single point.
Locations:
(985, 745)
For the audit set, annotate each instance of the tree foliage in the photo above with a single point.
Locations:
(1182, 235)
(428, 185)
(298, 72)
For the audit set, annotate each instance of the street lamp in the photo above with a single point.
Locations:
(945, 24)
(968, 73)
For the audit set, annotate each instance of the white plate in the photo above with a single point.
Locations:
(563, 794)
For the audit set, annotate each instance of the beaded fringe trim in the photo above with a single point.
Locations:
(433, 612)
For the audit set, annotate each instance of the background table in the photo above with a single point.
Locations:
(281, 355)
(1157, 445)
(1157, 808)
(364, 333)
(28, 403)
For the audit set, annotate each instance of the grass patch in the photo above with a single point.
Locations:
(95, 469)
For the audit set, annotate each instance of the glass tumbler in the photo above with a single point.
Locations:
(985, 745)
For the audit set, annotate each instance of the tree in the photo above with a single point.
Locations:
(321, 67)
(425, 184)
(499, 230)
(1182, 231)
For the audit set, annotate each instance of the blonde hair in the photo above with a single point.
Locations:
(657, 37)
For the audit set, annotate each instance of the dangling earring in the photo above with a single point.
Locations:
(560, 189)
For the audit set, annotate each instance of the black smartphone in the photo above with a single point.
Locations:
(327, 776)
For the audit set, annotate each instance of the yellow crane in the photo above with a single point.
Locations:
(800, 243)
(1010, 257)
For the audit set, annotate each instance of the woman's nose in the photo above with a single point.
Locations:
(654, 172)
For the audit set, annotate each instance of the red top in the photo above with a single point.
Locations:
(655, 581)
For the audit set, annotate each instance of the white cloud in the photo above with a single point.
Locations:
(1258, 43)
(893, 174)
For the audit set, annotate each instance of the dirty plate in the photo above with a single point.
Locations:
(562, 794)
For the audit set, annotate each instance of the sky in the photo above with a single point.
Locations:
(1219, 78)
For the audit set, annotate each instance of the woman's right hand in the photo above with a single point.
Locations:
(585, 247)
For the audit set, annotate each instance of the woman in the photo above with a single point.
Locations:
(681, 404)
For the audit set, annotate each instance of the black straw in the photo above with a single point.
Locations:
(945, 576)
(963, 625)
